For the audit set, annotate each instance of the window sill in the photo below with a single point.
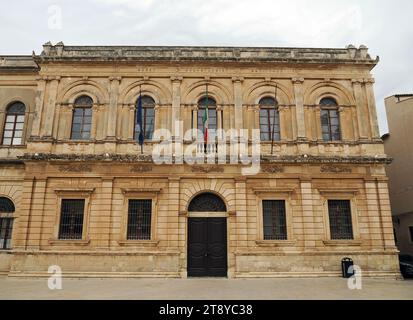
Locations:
(276, 243)
(17, 146)
(138, 243)
(342, 243)
(69, 242)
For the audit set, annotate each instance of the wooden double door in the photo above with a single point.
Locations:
(207, 247)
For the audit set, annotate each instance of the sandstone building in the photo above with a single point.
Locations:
(76, 191)
(399, 145)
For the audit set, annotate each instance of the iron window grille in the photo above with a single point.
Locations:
(71, 219)
(139, 219)
(340, 220)
(82, 118)
(330, 120)
(207, 202)
(148, 118)
(269, 120)
(14, 124)
(274, 220)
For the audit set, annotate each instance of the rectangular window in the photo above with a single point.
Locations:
(139, 219)
(274, 220)
(71, 219)
(339, 212)
(411, 233)
(6, 228)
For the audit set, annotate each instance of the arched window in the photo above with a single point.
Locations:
(330, 120)
(148, 118)
(82, 118)
(6, 222)
(210, 104)
(269, 119)
(13, 126)
(207, 202)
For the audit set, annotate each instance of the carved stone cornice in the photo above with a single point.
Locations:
(334, 169)
(272, 169)
(140, 168)
(207, 169)
(82, 167)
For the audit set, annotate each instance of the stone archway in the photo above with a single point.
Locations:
(207, 254)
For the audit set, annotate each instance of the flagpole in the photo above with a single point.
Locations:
(207, 117)
(140, 97)
(273, 120)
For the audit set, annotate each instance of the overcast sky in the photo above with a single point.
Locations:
(385, 26)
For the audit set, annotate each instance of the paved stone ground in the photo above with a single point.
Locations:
(214, 289)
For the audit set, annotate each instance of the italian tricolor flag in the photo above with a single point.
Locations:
(205, 119)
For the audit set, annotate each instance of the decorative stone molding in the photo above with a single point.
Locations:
(140, 169)
(176, 78)
(334, 169)
(265, 190)
(207, 169)
(272, 169)
(75, 168)
(141, 190)
(238, 79)
(297, 80)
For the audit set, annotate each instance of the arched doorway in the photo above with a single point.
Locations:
(207, 237)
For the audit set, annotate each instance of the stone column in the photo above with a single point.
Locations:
(239, 121)
(371, 104)
(241, 211)
(173, 213)
(195, 121)
(112, 113)
(308, 214)
(47, 128)
(318, 123)
(95, 114)
(283, 128)
(39, 101)
(176, 104)
(56, 121)
(299, 107)
(385, 214)
(131, 122)
(361, 115)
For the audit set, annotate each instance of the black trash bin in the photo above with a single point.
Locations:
(346, 263)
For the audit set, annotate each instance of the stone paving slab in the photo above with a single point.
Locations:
(200, 289)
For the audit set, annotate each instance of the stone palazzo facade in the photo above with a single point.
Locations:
(76, 191)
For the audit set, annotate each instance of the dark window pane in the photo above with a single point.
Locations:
(13, 128)
(268, 102)
(340, 219)
(139, 219)
(71, 219)
(81, 124)
(274, 220)
(328, 102)
(16, 108)
(207, 202)
(6, 228)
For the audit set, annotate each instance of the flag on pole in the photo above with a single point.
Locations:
(139, 122)
(205, 118)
